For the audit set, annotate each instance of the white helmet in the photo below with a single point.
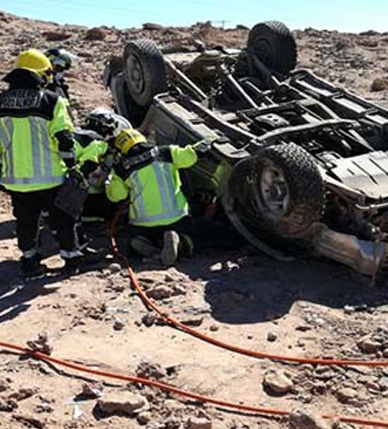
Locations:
(106, 123)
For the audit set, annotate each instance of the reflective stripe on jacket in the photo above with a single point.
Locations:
(155, 191)
(29, 151)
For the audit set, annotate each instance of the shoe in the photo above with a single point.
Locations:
(143, 246)
(170, 249)
(72, 266)
(186, 246)
(91, 255)
(32, 267)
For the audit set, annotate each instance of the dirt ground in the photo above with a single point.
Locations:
(306, 308)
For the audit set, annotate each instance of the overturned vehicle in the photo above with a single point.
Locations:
(295, 161)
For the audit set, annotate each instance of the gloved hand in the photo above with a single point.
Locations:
(204, 145)
(75, 174)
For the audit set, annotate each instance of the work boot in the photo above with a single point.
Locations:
(92, 256)
(170, 249)
(186, 246)
(32, 267)
(72, 266)
(143, 246)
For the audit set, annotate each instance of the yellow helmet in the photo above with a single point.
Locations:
(128, 138)
(35, 61)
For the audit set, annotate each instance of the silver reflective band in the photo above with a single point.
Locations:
(28, 254)
(32, 180)
(163, 216)
(138, 201)
(167, 194)
(162, 186)
(46, 146)
(130, 162)
(6, 131)
(67, 155)
(170, 185)
(69, 254)
(40, 151)
(35, 146)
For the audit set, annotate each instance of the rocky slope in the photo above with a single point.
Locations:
(304, 308)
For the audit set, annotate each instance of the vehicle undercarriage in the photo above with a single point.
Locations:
(296, 162)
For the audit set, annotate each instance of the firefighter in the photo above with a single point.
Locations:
(36, 149)
(158, 209)
(95, 155)
(61, 61)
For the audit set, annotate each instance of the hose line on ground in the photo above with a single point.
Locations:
(202, 336)
(171, 389)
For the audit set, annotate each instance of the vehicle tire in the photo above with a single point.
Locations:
(113, 67)
(280, 192)
(144, 71)
(273, 43)
(125, 105)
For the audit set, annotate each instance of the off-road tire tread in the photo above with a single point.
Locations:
(284, 49)
(153, 66)
(305, 184)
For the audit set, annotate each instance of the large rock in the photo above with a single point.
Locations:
(7, 405)
(301, 420)
(346, 395)
(56, 36)
(4, 384)
(122, 402)
(41, 344)
(199, 423)
(149, 370)
(151, 26)
(277, 381)
(160, 292)
(379, 84)
(95, 33)
(368, 344)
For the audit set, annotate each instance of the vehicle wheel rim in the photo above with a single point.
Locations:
(136, 74)
(274, 191)
(263, 50)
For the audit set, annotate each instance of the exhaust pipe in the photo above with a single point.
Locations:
(363, 256)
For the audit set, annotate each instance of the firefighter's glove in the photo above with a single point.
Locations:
(76, 175)
(203, 146)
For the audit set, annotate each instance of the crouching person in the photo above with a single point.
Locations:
(36, 149)
(158, 209)
(95, 154)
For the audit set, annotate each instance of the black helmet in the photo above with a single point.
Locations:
(60, 58)
(105, 122)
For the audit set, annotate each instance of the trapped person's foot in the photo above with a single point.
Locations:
(170, 249)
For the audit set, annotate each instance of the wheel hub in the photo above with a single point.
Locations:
(274, 191)
(136, 74)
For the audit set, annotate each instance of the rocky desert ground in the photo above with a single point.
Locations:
(305, 308)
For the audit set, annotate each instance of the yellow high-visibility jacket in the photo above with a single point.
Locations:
(156, 197)
(29, 152)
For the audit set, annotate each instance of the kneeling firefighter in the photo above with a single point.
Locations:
(158, 209)
(36, 149)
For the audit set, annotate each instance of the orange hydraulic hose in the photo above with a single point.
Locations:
(171, 389)
(195, 333)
